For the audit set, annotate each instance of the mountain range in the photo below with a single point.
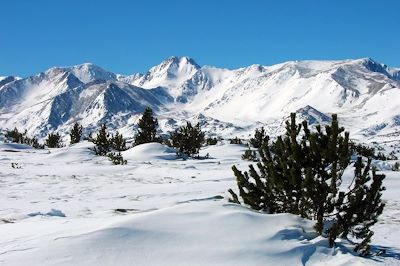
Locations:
(364, 93)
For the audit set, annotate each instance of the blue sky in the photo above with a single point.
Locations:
(131, 36)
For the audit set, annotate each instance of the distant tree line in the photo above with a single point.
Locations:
(22, 138)
(187, 139)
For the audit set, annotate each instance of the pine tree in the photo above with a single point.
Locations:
(259, 138)
(236, 140)
(249, 155)
(396, 166)
(102, 141)
(211, 141)
(34, 142)
(323, 156)
(118, 142)
(53, 140)
(359, 208)
(187, 139)
(147, 131)
(105, 145)
(301, 174)
(76, 133)
(116, 158)
(15, 136)
(18, 137)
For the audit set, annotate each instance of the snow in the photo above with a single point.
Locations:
(150, 151)
(14, 147)
(201, 233)
(67, 206)
(52, 212)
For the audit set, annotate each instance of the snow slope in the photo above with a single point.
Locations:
(69, 207)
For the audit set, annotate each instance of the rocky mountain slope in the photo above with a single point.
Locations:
(226, 102)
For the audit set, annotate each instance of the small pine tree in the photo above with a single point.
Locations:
(380, 156)
(76, 133)
(396, 166)
(34, 142)
(116, 158)
(260, 137)
(236, 140)
(147, 131)
(249, 155)
(118, 142)
(104, 144)
(53, 140)
(18, 137)
(211, 141)
(14, 136)
(102, 141)
(187, 139)
(302, 173)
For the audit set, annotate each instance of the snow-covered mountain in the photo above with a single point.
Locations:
(226, 102)
(170, 74)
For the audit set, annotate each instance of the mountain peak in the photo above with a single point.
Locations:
(368, 62)
(88, 72)
(312, 115)
(7, 79)
(178, 62)
(171, 72)
(374, 66)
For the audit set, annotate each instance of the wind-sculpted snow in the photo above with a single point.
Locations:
(228, 102)
(67, 206)
(150, 152)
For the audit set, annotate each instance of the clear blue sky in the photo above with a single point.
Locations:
(131, 36)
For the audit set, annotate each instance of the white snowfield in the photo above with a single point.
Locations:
(69, 207)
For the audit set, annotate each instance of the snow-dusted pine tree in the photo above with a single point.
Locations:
(147, 128)
(53, 140)
(301, 172)
(76, 133)
(187, 139)
(118, 142)
(102, 141)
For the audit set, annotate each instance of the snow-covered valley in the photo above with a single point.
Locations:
(67, 206)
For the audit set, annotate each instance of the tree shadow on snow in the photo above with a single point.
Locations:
(384, 252)
(310, 244)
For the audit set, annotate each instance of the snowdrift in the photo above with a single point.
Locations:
(68, 206)
(200, 233)
(150, 151)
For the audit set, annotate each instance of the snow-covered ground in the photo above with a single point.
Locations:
(69, 207)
